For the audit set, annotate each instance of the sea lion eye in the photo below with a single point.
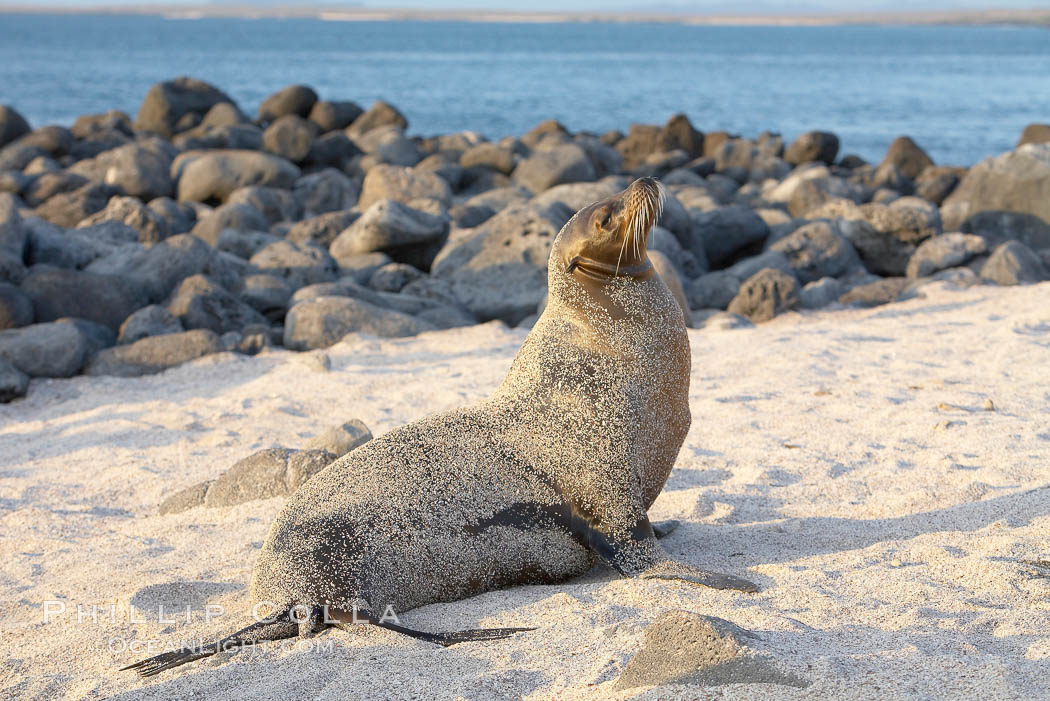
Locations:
(608, 218)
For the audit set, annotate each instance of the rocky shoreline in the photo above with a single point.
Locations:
(131, 246)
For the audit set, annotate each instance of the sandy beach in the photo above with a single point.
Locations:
(882, 474)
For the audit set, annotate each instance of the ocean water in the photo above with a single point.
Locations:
(963, 93)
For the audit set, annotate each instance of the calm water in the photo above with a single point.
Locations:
(962, 93)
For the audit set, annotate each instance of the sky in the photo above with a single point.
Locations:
(779, 7)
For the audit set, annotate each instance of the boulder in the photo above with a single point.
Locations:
(562, 164)
(1016, 181)
(132, 169)
(13, 382)
(499, 269)
(298, 263)
(153, 354)
(393, 276)
(275, 204)
(48, 184)
(324, 321)
(886, 236)
(326, 191)
(289, 137)
(679, 134)
(765, 294)
(238, 137)
(380, 114)
(181, 216)
(905, 155)
(361, 267)
(713, 290)
(1013, 263)
(200, 303)
(642, 140)
(69, 208)
(820, 293)
(215, 175)
(388, 145)
(495, 156)
(267, 294)
(729, 232)
(53, 349)
(407, 235)
(294, 100)
(16, 307)
(387, 182)
(323, 229)
(170, 103)
(937, 182)
(813, 146)
(244, 244)
(13, 233)
(818, 250)
(12, 125)
(576, 196)
(996, 227)
(330, 116)
(1035, 134)
(104, 299)
(340, 440)
(231, 215)
(151, 227)
(160, 268)
(151, 320)
(269, 473)
(944, 251)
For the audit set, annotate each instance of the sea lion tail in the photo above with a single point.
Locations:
(255, 633)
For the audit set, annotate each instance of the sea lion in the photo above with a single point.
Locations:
(553, 472)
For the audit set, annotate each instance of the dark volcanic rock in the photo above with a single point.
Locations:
(231, 215)
(490, 155)
(298, 263)
(1035, 134)
(54, 349)
(875, 293)
(326, 191)
(133, 169)
(907, 157)
(1016, 181)
(13, 233)
(215, 175)
(641, 141)
(13, 382)
(321, 230)
(818, 250)
(12, 125)
(393, 276)
(680, 134)
(199, 303)
(294, 100)
(729, 232)
(380, 114)
(290, 137)
(169, 103)
(330, 116)
(944, 251)
(996, 226)
(407, 235)
(562, 164)
(937, 182)
(1013, 263)
(104, 299)
(70, 208)
(152, 320)
(151, 227)
(765, 294)
(323, 321)
(16, 307)
(387, 182)
(153, 354)
(275, 204)
(813, 146)
(161, 267)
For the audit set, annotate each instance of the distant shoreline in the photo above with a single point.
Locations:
(1035, 18)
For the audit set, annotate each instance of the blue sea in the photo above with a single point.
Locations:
(962, 93)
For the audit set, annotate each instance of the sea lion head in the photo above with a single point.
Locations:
(607, 240)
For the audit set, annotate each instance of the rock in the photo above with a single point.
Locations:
(1035, 134)
(387, 182)
(340, 440)
(267, 294)
(944, 251)
(499, 269)
(765, 294)
(185, 499)
(161, 267)
(237, 137)
(875, 293)
(151, 227)
(813, 146)
(562, 164)
(294, 100)
(393, 276)
(330, 116)
(153, 354)
(152, 320)
(680, 134)
(380, 114)
(889, 234)
(53, 349)
(907, 157)
(642, 140)
(49, 184)
(813, 193)
(818, 250)
(713, 291)
(332, 150)
(937, 182)
(275, 204)
(215, 175)
(16, 307)
(104, 299)
(889, 177)
(576, 196)
(715, 320)
(729, 232)
(407, 235)
(13, 382)
(231, 215)
(69, 208)
(324, 321)
(663, 241)
(362, 266)
(269, 473)
(388, 145)
(326, 191)
(746, 267)
(200, 303)
(133, 169)
(1013, 263)
(244, 244)
(323, 229)
(289, 137)
(169, 103)
(224, 114)
(820, 293)
(499, 158)
(88, 125)
(996, 227)
(12, 125)
(298, 263)
(1016, 181)
(181, 216)
(12, 269)
(663, 267)
(682, 647)
(13, 233)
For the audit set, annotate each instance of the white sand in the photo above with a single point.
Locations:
(843, 460)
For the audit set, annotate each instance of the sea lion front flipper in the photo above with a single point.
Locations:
(670, 569)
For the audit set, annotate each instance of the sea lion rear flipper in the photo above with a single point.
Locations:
(344, 619)
(670, 569)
